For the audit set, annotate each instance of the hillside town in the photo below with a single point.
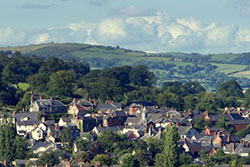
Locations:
(138, 121)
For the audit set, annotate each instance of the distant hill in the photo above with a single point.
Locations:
(207, 69)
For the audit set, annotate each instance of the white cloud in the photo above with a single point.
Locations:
(9, 36)
(159, 33)
(42, 38)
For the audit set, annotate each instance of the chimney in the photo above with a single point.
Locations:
(189, 111)
(94, 102)
(233, 147)
(184, 113)
(74, 100)
(228, 112)
(149, 131)
(97, 164)
(56, 126)
(228, 138)
(41, 97)
(206, 113)
(31, 99)
(43, 119)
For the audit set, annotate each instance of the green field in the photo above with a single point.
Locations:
(229, 68)
(226, 57)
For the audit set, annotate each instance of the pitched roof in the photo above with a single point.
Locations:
(184, 129)
(41, 144)
(27, 118)
(48, 102)
(109, 106)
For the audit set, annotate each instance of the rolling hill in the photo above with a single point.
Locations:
(167, 66)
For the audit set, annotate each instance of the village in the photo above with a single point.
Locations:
(138, 121)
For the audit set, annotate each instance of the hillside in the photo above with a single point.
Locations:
(206, 69)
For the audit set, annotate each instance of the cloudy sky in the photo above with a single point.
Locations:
(205, 26)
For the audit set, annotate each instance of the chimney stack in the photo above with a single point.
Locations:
(233, 147)
(41, 97)
(228, 138)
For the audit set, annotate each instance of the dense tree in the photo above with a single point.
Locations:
(171, 100)
(49, 158)
(230, 88)
(108, 140)
(129, 161)
(194, 88)
(19, 68)
(52, 65)
(141, 76)
(61, 83)
(66, 139)
(11, 145)
(38, 82)
(103, 159)
(83, 144)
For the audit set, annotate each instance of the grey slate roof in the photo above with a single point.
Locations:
(32, 118)
(47, 102)
(41, 144)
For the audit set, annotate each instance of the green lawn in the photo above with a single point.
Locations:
(23, 86)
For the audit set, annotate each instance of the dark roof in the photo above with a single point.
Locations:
(236, 117)
(182, 130)
(239, 122)
(66, 119)
(118, 114)
(113, 129)
(109, 106)
(85, 103)
(194, 147)
(27, 118)
(50, 122)
(48, 102)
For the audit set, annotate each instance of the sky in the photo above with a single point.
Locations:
(203, 26)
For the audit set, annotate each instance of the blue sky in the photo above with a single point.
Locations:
(205, 26)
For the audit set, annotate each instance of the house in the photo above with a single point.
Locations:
(40, 132)
(239, 124)
(97, 130)
(85, 123)
(214, 131)
(141, 118)
(236, 148)
(89, 104)
(114, 118)
(64, 121)
(48, 106)
(41, 147)
(133, 108)
(192, 147)
(26, 122)
(76, 109)
(108, 107)
(187, 132)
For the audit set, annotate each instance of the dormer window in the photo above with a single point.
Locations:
(24, 119)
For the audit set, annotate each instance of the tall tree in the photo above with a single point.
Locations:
(230, 88)
(61, 83)
(170, 155)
